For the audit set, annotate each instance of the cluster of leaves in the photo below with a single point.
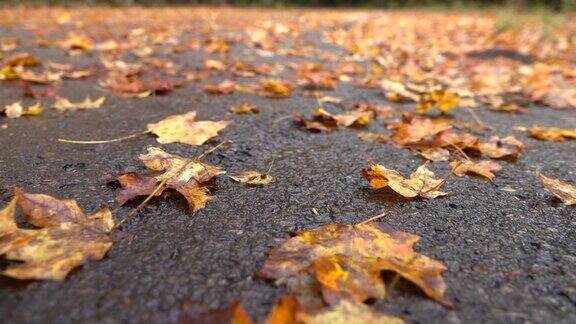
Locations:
(332, 270)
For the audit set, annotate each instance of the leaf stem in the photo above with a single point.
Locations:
(103, 141)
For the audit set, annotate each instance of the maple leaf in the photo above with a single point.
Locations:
(253, 178)
(414, 129)
(482, 168)
(421, 183)
(374, 137)
(347, 261)
(320, 124)
(16, 110)
(65, 239)
(63, 104)
(497, 148)
(245, 108)
(359, 118)
(350, 312)
(224, 87)
(554, 134)
(275, 88)
(562, 190)
(443, 100)
(188, 177)
(193, 313)
(183, 129)
(435, 154)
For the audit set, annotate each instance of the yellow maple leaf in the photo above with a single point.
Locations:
(183, 129)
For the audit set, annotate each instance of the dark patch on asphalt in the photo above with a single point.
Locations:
(511, 254)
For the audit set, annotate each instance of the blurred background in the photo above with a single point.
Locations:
(554, 5)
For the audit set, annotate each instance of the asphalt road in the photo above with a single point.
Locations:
(509, 245)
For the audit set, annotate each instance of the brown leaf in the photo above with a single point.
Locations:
(253, 178)
(421, 183)
(482, 168)
(415, 129)
(347, 260)
(189, 178)
(562, 190)
(183, 129)
(66, 237)
(317, 125)
(224, 87)
(193, 313)
(501, 148)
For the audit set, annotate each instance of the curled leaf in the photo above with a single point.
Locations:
(553, 134)
(562, 190)
(421, 183)
(63, 104)
(253, 178)
(16, 110)
(501, 148)
(483, 168)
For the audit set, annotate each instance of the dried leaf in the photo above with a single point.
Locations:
(414, 129)
(482, 168)
(347, 260)
(553, 134)
(193, 313)
(16, 110)
(285, 311)
(63, 104)
(66, 237)
(350, 312)
(275, 88)
(443, 100)
(224, 87)
(374, 137)
(245, 108)
(253, 178)
(183, 129)
(435, 154)
(189, 178)
(317, 125)
(497, 148)
(421, 183)
(562, 190)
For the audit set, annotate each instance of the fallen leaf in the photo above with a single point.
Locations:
(562, 190)
(435, 154)
(63, 104)
(183, 129)
(553, 134)
(443, 100)
(317, 125)
(254, 178)
(285, 311)
(193, 313)
(374, 137)
(224, 87)
(350, 312)
(497, 148)
(16, 110)
(275, 88)
(482, 168)
(412, 129)
(65, 239)
(358, 118)
(347, 261)
(421, 183)
(245, 108)
(188, 177)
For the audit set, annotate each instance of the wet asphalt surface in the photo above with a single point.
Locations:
(509, 245)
